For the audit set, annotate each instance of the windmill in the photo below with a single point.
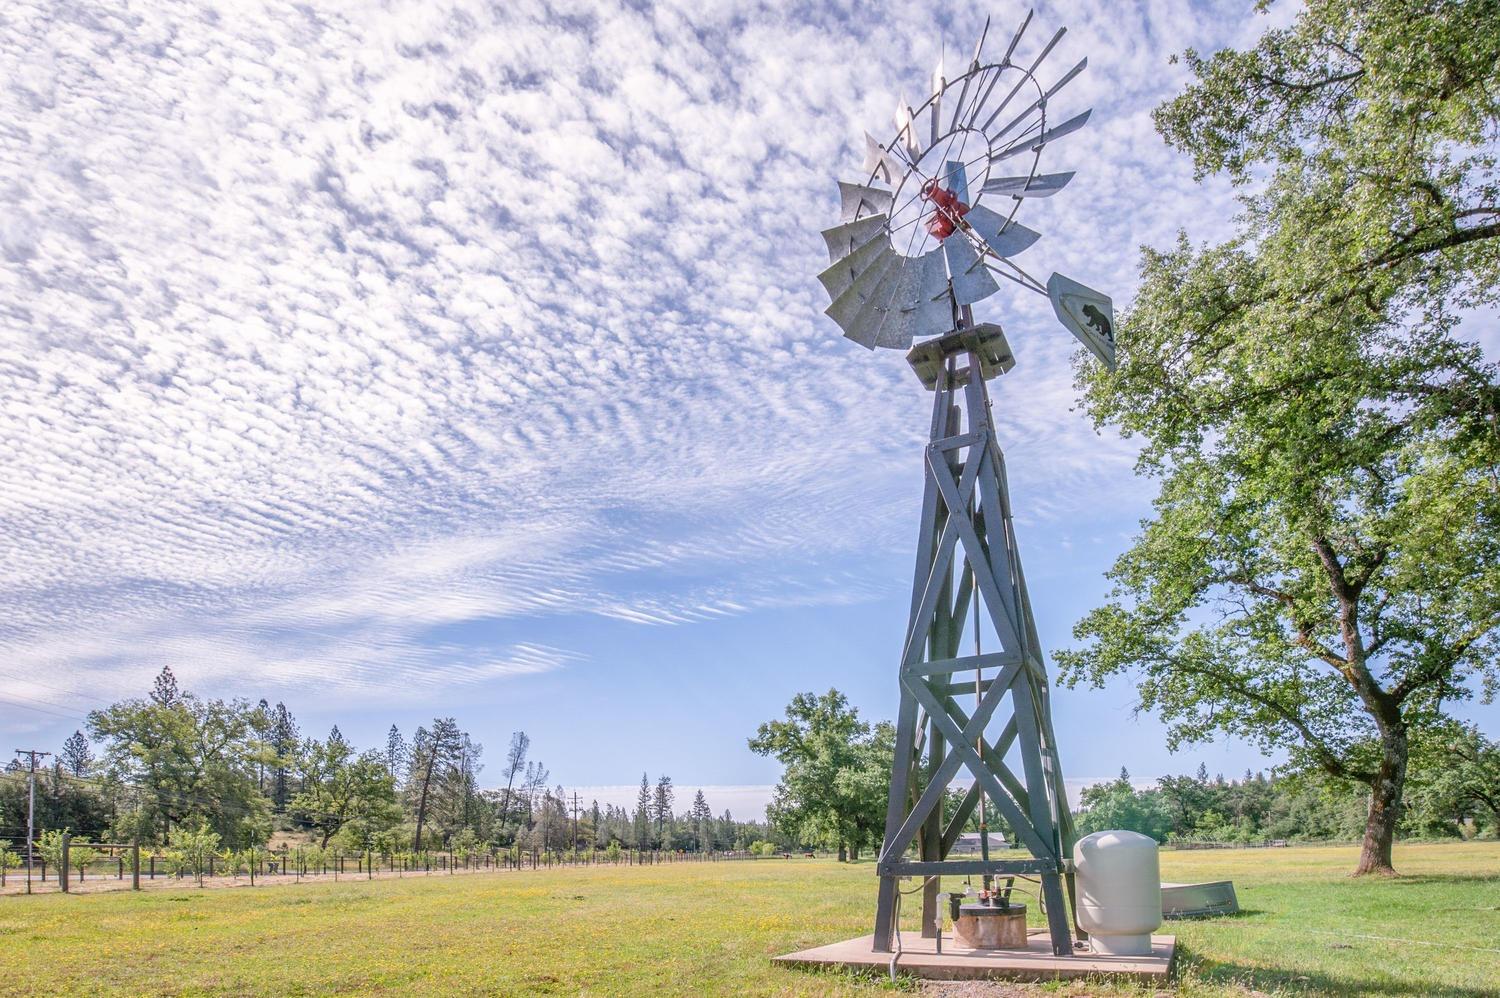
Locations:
(929, 230)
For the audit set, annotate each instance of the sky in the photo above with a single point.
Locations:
(428, 358)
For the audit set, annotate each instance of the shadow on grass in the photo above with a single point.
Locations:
(1214, 917)
(1422, 879)
(1261, 979)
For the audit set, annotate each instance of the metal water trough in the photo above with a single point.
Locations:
(1197, 900)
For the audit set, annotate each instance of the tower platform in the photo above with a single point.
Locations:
(919, 958)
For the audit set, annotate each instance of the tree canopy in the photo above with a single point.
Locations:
(837, 771)
(1321, 571)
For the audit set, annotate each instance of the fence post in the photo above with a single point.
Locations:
(62, 879)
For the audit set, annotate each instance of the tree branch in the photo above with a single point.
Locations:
(1327, 757)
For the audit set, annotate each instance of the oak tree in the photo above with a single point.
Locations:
(1321, 572)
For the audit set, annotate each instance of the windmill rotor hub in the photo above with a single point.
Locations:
(947, 210)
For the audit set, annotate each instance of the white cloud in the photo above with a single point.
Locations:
(327, 327)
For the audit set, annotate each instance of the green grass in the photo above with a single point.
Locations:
(710, 929)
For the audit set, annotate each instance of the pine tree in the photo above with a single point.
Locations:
(395, 753)
(260, 723)
(336, 737)
(643, 814)
(164, 690)
(284, 741)
(433, 753)
(703, 822)
(661, 805)
(726, 829)
(515, 762)
(76, 757)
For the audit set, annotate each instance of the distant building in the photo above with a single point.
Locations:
(968, 844)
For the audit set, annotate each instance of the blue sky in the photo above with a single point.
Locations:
(461, 358)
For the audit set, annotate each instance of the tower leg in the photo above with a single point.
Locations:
(1057, 914)
(885, 915)
(885, 905)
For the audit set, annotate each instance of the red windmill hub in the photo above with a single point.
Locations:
(947, 209)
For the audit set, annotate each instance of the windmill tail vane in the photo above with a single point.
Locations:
(919, 242)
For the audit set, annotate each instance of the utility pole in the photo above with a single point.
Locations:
(30, 807)
(575, 822)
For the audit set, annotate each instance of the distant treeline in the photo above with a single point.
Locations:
(1460, 798)
(171, 761)
(836, 778)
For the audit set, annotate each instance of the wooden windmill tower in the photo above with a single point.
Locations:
(917, 246)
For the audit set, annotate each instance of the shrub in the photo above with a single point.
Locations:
(193, 848)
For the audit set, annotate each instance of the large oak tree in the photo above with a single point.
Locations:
(1322, 569)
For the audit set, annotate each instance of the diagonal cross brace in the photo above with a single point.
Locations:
(956, 496)
(970, 757)
(957, 499)
(951, 762)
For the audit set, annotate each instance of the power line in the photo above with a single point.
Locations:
(41, 710)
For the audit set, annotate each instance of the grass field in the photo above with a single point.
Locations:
(709, 928)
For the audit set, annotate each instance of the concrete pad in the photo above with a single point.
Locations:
(919, 957)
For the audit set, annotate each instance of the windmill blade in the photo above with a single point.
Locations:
(1087, 314)
(879, 163)
(933, 317)
(935, 107)
(1041, 185)
(1016, 39)
(1035, 142)
(999, 71)
(903, 304)
(967, 274)
(984, 33)
(1044, 98)
(1003, 237)
(870, 324)
(906, 130)
(1035, 63)
(867, 285)
(844, 239)
(846, 270)
(923, 279)
(928, 318)
(969, 75)
(898, 330)
(857, 200)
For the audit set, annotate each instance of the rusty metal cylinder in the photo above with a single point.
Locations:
(984, 926)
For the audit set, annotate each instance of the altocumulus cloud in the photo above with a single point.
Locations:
(326, 326)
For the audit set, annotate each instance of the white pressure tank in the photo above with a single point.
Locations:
(1119, 891)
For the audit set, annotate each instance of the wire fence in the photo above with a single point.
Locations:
(95, 867)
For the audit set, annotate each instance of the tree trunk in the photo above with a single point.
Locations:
(843, 853)
(1385, 806)
(422, 805)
